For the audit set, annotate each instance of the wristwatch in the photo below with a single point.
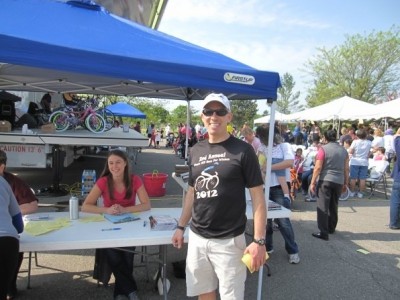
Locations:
(261, 242)
(181, 228)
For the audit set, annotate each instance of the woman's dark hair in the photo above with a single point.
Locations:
(361, 134)
(3, 157)
(316, 138)
(330, 135)
(298, 139)
(262, 133)
(127, 175)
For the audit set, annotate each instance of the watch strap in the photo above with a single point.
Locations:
(180, 228)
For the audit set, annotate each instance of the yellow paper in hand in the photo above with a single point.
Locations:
(262, 160)
(246, 259)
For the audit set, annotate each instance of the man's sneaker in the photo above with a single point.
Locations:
(270, 251)
(294, 258)
(351, 195)
(360, 195)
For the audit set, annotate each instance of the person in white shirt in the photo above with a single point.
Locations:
(388, 142)
(283, 153)
(359, 151)
(158, 138)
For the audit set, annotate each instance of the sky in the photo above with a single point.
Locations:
(275, 35)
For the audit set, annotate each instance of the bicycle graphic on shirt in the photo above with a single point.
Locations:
(206, 183)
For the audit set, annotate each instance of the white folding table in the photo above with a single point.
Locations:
(80, 235)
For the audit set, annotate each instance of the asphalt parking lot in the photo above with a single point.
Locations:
(360, 261)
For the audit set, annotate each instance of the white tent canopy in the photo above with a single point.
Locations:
(344, 108)
(390, 109)
(278, 117)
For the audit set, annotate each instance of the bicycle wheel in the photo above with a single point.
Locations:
(95, 123)
(108, 117)
(345, 195)
(60, 120)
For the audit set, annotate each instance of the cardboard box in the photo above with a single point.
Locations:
(48, 128)
(5, 126)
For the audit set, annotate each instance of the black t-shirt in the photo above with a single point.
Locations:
(219, 174)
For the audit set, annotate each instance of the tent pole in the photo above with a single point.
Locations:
(188, 130)
(267, 182)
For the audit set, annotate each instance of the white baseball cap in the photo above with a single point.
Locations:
(221, 98)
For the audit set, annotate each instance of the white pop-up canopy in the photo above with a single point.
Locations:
(278, 117)
(344, 108)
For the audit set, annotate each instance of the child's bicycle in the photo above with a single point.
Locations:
(84, 114)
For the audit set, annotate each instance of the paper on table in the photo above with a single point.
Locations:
(122, 218)
(91, 218)
(42, 227)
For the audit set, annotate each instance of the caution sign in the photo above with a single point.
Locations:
(25, 156)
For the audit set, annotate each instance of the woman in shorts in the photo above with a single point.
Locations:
(359, 151)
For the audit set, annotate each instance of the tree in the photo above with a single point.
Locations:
(364, 67)
(155, 111)
(179, 115)
(243, 111)
(287, 101)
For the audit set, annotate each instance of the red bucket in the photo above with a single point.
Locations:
(155, 183)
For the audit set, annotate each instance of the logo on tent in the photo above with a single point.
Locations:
(239, 78)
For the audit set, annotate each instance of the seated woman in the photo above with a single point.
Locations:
(45, 102)
(119, 189)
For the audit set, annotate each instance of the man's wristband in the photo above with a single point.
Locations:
(181, 228)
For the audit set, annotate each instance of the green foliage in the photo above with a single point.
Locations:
(288, 101)
(243, 111)
(154, 110)
(364, 67)
(178, 115)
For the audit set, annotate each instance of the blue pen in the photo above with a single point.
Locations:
(111, 229)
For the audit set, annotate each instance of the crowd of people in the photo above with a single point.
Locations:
(214, 213)
(322, 163)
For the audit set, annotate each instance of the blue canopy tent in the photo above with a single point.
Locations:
(81, 48)
(78, 47)
(122, 109)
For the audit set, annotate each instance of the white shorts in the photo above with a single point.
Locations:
(213, 263)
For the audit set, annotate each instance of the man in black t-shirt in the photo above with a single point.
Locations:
(220, 169)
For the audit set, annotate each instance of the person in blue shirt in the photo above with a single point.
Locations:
(395, 197)
(11, 225)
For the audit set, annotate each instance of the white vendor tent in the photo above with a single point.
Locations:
(344, 108)
(390, 109)
(278, 117)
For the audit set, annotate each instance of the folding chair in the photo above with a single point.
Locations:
(377, 176)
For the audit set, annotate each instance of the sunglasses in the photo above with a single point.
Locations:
(209, 112)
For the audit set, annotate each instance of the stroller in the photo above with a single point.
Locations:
(170, 140)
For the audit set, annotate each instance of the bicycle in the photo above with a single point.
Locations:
(82, 115)
(108, 117)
